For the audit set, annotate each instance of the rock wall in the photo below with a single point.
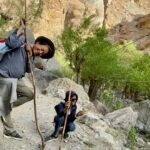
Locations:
(125, 10)
(126, 19)
(129, 20)
(58, 14)
(12, 11)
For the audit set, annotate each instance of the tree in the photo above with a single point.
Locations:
(72, 41)
(139, 76)
(101, 62)
(129, 56)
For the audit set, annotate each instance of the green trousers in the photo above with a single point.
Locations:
(24, 94)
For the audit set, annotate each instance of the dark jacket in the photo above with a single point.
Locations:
(60, 111)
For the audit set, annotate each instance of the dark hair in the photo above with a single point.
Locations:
(71, 95)
(45, 41)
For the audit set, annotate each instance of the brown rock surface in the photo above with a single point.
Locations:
(137, 30)
(125, 10)
(58, 14)
(127, 19)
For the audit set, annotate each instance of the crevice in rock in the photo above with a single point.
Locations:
(105, 10)
(68, 15)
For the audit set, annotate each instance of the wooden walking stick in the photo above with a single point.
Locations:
(66, 117)
(33, 83)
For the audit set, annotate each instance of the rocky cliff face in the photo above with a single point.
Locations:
(58, 14)
(127, 19)
(125, 11)
(93, 130)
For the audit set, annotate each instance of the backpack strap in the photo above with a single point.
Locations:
(2, 41)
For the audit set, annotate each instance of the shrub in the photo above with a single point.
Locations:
(132, 137)
(109, 99)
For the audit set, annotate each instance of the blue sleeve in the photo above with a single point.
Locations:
(59, 109)
(14, 41)
(72, 115)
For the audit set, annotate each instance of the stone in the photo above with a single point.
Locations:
(123, 118)
(94, 121)
(140, 142)
(109, 140)
(101, 108)
(43, 78)
(143, 110)
(63, 84)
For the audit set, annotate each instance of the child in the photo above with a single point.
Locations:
(61, 110)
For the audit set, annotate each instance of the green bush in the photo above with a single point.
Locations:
(67, 72)
(109, 99)
(94, 60)
(132, 137)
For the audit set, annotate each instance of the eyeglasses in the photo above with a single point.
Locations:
(73, 99)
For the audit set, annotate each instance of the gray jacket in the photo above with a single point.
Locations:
(13, 62)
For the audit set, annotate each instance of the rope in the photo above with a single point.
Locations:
(33, 83)
(66, 117)
(128, 81)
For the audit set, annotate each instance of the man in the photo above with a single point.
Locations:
(13, 66)
(61, 110)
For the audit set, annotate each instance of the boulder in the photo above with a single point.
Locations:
(94, 121)
(43, 78)
(52, 64)
(123, 118)
(101, 108)
(143, 110)
(39, 63)
(56, 87)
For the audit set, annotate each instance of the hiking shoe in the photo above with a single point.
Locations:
(51, 137)
(66, 135)
(12, 134)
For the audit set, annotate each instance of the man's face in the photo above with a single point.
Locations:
(73, 100)
(40, 50)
